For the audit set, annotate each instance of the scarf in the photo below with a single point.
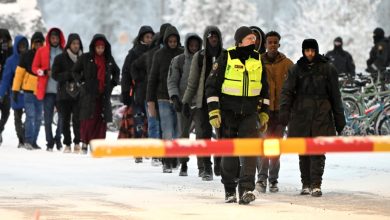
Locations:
(101, 71)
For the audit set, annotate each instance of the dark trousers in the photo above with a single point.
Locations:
(5, 111)
(203, 130)
(19, 125)
(69, 110)
(312, 169)
(238, 170)
(49, 104)
(268, 167)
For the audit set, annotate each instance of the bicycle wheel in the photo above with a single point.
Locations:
(383, 122)
(351, 107)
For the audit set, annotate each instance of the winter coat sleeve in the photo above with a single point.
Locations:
(193, 80)
(114, 73)
(58, 70)
(153, 79)
(77, 70)
(137, 68)
(174, 77)
(335, 100)
(288, 95)
(7, 78)
(350, 64)
(214, 82)
(37, 62)
(126, 81)
(264, 94)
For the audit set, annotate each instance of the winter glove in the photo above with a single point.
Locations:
(215, 118)
(177, 103)
(263, 117)
(15, 96)
(126, 99)
(186, 110)
(40, 72)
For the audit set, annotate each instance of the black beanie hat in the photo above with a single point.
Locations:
(379, 32)
(338, 39)
(241, 33)
(310, 43)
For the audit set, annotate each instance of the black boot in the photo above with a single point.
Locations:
(84, 148)
(230, 197)
(316, 190)
(183, 170)
(208, 173)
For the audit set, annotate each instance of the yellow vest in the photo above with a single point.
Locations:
(240, 79)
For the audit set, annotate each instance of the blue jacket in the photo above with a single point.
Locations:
(9, 72)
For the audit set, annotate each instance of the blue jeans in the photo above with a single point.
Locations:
(49, 102)
(33, 108)
(153, 126)
(168, 120)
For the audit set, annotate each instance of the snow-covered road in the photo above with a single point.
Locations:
(68, 186)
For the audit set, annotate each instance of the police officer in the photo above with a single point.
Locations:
(237, 99)
(379, 54)
(341, 59)
(311, 106)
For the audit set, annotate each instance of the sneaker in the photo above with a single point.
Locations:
(201, 172)
(183, 170)
(59, 145)
(27, 146)
(217, 169)
(261, 186)
(138, 160)
(208, 174)
(76, 149)
(167, 168)
(156, 162)
(230, 197)
(273, 187)
(305, 190)
(20, 145)
(67, 149)
(84, 149)
(316, 192)
(49, 149)
(36, 147)
(247, 198)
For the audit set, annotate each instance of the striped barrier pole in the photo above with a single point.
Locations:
(238, 147)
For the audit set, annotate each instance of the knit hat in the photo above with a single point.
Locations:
(379, 32)
(100, 43)
(241, 33)
(309, 43)
(37, 37)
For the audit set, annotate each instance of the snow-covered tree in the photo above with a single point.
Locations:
(21, 17)
(324, 20)
(228, 15)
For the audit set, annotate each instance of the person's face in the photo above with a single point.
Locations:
(54, 40)
(310, 53)
(248, 40)
(22, 47)
(193, 46)
(272, 44)
(37, 44)
(147, 38)
(75, 46)
(100, 50)
(172, 41)
(213, 40)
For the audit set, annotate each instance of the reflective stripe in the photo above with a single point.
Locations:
(256, 92)
(266, 101)
(231, 91)
(213, 99)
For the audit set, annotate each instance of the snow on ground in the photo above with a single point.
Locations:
(68, 186)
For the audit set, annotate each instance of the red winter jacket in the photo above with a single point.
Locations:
(42, 62)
